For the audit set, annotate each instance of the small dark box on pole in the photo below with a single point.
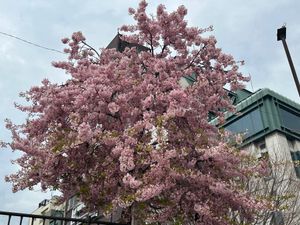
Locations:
(281, 33)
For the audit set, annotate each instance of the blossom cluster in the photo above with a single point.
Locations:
(122, 131)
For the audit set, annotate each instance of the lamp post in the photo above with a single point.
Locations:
(281, 36)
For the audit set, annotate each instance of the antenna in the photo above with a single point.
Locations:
(251, 82)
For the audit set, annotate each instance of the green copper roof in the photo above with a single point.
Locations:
(261, 93)
(241, 95)
(263, 112)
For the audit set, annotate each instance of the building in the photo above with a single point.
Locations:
(120, 45)
(71, 212)
(270, 124)
(48, 207)
(75, 209)
(262, 114)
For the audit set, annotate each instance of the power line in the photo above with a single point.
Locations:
(31, 43)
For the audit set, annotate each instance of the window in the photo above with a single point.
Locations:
(55, 222)
(296, 160)
(72, 202)
(45, 211)
(290, 120)
(277, 218)
(249, 124)
(262, 154)
(261, 147)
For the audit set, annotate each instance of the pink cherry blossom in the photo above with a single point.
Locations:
(113, 107)
(123, 132)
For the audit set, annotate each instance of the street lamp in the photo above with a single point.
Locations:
(281, 36)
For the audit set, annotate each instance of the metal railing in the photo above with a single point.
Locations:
(50, 220)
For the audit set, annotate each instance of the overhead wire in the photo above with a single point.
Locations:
(31, 43)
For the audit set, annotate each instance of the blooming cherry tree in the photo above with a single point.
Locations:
(124, 132)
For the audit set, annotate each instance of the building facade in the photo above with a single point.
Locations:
(48, 207)
(270, 125)
(75, 209)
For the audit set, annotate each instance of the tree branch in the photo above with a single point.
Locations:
(94, 50)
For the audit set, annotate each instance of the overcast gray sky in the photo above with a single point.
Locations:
(245, 29)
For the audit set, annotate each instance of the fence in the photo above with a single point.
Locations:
(14, 218)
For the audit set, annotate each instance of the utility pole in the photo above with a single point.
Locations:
(281, 36)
